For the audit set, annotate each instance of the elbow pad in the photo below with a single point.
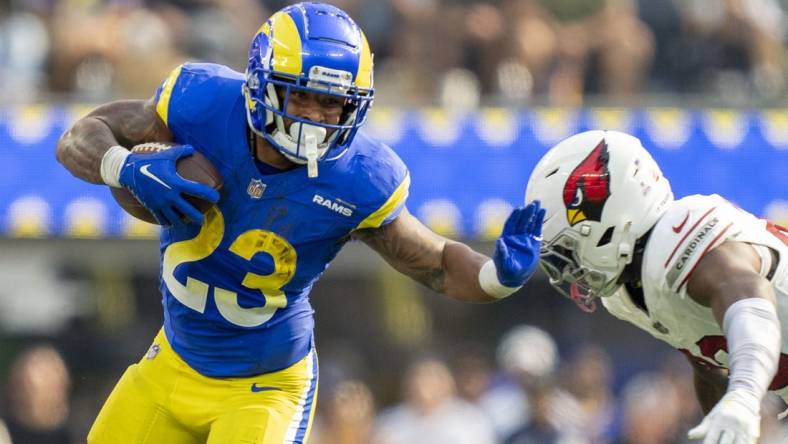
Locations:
(752, 329)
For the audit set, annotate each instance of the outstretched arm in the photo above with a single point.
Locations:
(122, 123)
(439, 263)
(711, 383)
(728, 281)
(454, 268)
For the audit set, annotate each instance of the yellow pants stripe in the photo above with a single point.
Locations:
(301, 422)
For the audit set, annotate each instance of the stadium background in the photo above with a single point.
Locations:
(470, 94)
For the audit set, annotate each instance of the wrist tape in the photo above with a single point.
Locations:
(488, 280)
(111, 164)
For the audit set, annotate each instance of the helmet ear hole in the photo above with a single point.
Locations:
(607, 236)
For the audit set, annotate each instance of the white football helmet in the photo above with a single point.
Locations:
(602, 191)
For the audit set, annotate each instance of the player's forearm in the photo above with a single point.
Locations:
(752, 330)
(447, 267)
(82, 147)
(441, 264)
(743, 303)
(460, 267)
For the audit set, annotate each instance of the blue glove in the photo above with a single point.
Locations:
(516, 252)
(154, 181)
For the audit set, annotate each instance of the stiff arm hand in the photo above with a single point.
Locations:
(516, 254)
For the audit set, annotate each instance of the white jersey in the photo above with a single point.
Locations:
(690, 229)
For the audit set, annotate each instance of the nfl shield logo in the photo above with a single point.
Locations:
(255, 188)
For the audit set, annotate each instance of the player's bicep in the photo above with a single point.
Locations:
(133, 121)
(126, 123)
(409, 247)
(727, 274)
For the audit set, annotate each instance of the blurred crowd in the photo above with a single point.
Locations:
(526, 394)
(529, 393)
(455, 53)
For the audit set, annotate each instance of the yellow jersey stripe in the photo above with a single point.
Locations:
(394, 201)
(163, 105)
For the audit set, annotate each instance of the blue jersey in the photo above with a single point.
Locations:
(235, 290)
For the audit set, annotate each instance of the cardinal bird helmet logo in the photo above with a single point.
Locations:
(588, 187)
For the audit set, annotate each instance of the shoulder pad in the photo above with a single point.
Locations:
(381, 181)
(195, 92)
(690, 228)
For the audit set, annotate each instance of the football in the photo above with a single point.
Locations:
(195, 167)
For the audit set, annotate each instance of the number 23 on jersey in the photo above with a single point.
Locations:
(195, 293)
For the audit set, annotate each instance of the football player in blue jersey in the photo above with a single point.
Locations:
(235, 361)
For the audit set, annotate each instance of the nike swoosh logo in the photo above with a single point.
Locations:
(262, 388)
(144, 170)
(677, 228)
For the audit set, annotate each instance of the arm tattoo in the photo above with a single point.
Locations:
(132, 127)
(126, 123)
(410, 248)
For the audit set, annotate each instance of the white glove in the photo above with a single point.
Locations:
(735, 419)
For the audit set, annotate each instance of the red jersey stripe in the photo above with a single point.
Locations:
(705, 252)
(692, 228)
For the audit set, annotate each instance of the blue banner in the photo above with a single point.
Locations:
(468, 170)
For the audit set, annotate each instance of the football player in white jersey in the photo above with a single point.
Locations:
(699, 273)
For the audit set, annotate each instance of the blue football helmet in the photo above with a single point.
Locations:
(315, 48)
